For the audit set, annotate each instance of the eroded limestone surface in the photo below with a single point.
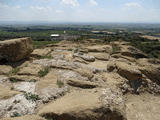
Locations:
(73, 81)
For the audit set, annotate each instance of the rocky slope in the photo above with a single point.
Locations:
(81, 81)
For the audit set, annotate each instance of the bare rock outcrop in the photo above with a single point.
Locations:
(100, 48)
(131, 51)
(5, 69)
(15, 49)
(6, 93)
(101, 56)
(81, 84)
(16, 105)
(85, 57)
(150, 68)
(67, 82)
(26, 117)
(143, 107)
(88, 106)
(131, 73)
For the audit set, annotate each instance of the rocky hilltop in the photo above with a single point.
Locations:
(78, 81)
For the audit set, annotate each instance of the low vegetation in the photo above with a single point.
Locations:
(46, 57)
(14, 71)
(41, 35)
(13, 80)
(60, 83)
(16, 115)
(43, 72)
(41, 44)
(32, 97)
(115, 49)
(70, 49)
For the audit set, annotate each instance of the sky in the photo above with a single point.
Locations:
(146, 11)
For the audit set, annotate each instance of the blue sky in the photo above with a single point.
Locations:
(80, 10)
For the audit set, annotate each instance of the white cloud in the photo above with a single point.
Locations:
(59, 11)
(40, 8)
(93, 2)
(3, 5)
(73, 3)
(18, 7)
(133, 4)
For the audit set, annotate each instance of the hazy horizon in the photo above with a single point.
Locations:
(80, 11)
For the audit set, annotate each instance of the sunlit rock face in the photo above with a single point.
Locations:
(15, 49)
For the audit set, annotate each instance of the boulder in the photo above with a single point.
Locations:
(101, 56)
(85, 57)
(131, 51)
(81, 84)
(85, 73)
(80, 60)
(128, 71)
(15, 49)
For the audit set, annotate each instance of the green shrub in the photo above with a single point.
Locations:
(115, 49)
(45, 57)
(41, 44)
(13, 80)
(43, 72)
(30, 96)
(14, 71)
(16, 115)
(70, 49)
(60, 83)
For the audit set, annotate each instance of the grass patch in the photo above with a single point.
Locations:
(41, 44)
(46, 57)
(60, 83)
(13, 80)
(14, 71)
(30, 96)
(115, 49)
(70, 49)
(43, 72)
